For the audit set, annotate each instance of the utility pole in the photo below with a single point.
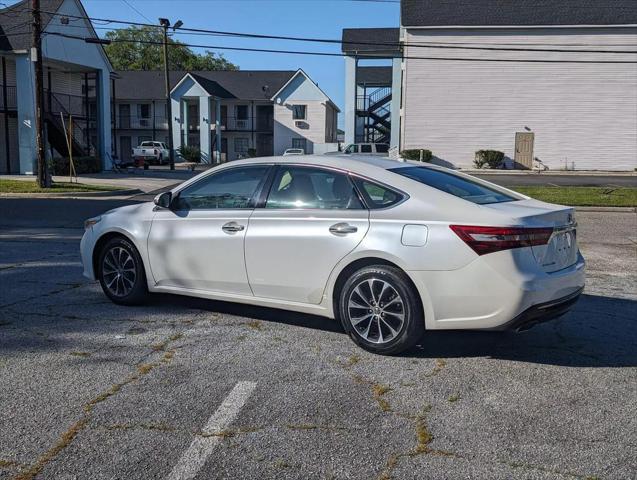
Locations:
(44, 181)
(164, 22)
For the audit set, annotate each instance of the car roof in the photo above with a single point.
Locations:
(359, 164)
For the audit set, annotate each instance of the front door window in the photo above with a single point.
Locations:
(230, 189)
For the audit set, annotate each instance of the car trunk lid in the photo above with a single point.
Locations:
(561, 250)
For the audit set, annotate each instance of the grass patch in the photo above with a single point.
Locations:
(379, 390)
(27, 186)
(255, 325)
(80, 354)
(582, 196)
(453, 398)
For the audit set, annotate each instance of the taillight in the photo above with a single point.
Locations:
(483, 240)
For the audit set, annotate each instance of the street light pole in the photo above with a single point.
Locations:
(164, 22)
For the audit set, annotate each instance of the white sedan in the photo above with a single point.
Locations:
(391, 249)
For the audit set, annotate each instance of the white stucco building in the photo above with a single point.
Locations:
(571, 103)
(77, 78)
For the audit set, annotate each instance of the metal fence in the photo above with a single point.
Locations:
(12, 101)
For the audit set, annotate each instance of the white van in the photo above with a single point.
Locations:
(368, 148)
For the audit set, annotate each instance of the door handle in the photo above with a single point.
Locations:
(343, 229)
(232, 227)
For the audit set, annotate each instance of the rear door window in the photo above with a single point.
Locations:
(455, 185)
(377, 196)
(309, 188)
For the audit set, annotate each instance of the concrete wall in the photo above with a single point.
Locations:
(581, 113)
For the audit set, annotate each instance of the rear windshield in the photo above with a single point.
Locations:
(455, 185)
(147, 144)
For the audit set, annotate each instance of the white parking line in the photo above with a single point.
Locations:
(201, 447)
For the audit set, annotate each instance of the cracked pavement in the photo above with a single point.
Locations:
(91, 390)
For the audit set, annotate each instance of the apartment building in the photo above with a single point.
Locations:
(225, 114)
(549, 82)
(77, 77)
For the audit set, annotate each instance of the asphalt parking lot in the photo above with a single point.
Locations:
(188, 388)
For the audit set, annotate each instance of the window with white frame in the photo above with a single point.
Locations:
(143, 110)
(242, 112)
(299, 112)
(143, 114)
(241, 146)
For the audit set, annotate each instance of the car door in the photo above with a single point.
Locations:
(312, 218)
(199, 242)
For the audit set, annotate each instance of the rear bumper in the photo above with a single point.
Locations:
(492, 290)
(541, 313)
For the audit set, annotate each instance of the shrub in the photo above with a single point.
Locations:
(414, 154)
(252, 152)
(190, 154)
(60, 165)
(488, 158)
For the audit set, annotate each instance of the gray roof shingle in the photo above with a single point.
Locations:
(15, 23)
(352, 38)
(444, 13)
(242, 84)
(375, 75)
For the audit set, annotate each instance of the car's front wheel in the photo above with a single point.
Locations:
(380, 311)
(121, 272)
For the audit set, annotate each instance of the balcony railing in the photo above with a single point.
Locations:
(76, 105)
(12, 102)
(140, 123)
(258, 124)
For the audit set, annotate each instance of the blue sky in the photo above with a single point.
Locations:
(306, 18)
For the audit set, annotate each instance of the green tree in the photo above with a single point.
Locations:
(127, 53)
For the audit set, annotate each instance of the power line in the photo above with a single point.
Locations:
(340, 42)
(433, 43)
(331, 54)
(136, 10)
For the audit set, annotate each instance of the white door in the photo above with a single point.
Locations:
(311, 220)
(198, 243)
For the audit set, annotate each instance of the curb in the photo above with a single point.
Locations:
(97, 194)
(607, 209)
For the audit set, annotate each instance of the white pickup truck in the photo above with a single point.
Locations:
(151, 152)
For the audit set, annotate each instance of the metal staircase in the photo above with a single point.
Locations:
(55, 130)
(375, 109)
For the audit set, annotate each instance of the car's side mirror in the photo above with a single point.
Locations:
(163, 199)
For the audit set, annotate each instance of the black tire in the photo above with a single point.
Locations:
(129, 289)
(399, 296)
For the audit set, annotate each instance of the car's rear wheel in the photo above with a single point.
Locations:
(380, 310)
(121, 272)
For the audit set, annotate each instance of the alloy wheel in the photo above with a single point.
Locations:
(376, 310)
(118, 271)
